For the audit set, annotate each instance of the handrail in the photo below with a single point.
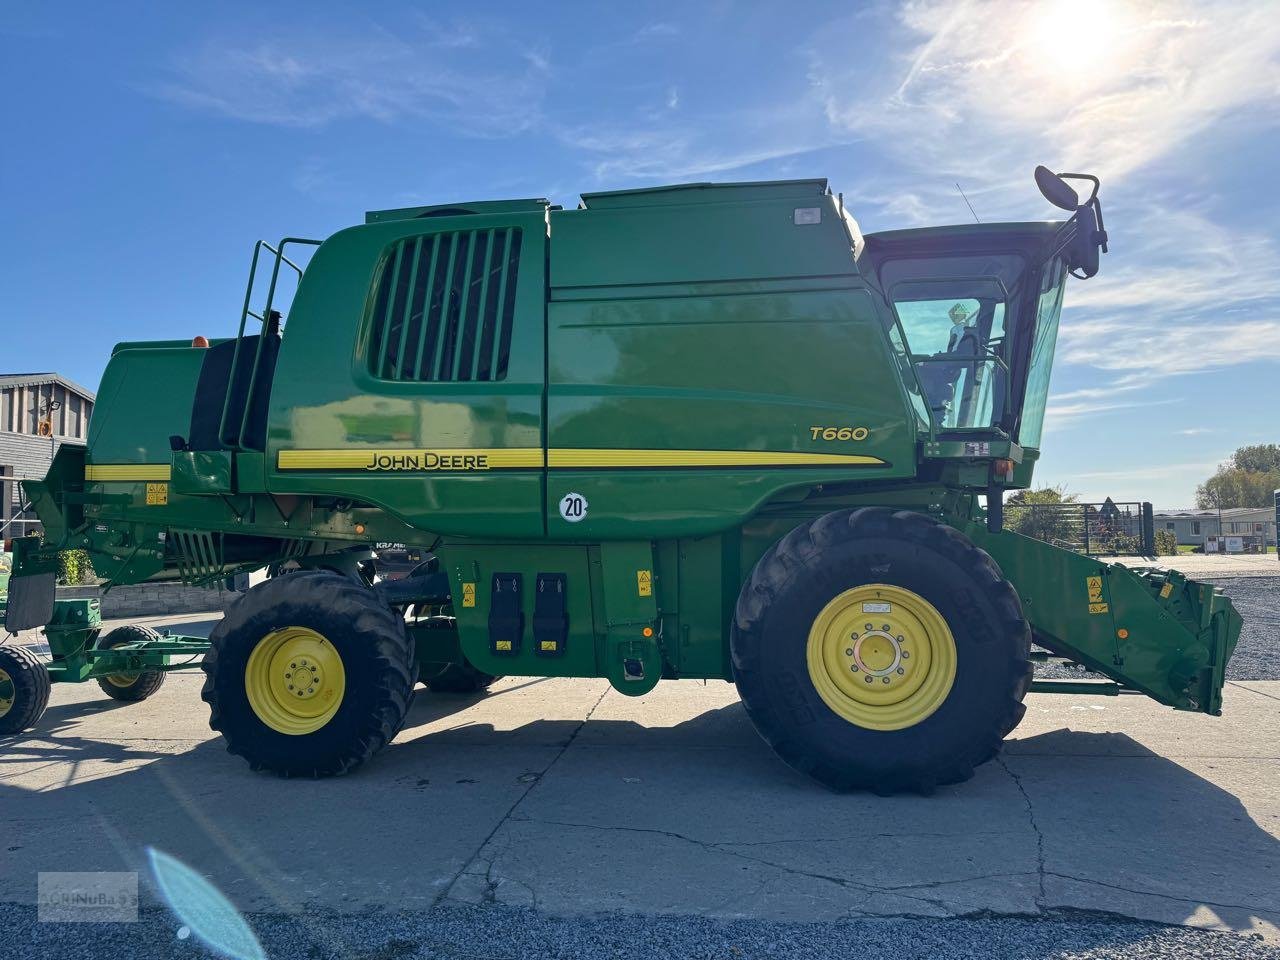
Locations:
(262, 318)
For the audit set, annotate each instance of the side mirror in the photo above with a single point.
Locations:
(1083, 237)
(1090, 241)
(1056, 190)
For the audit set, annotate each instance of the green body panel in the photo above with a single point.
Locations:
(201, 472)
(697, 369)
(1152, 630)
(325, 398)
(476, 563)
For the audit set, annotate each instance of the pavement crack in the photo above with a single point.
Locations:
(1241, 686)
(725, 848)
(1031, 816)
(506, 817)
(1198, 901)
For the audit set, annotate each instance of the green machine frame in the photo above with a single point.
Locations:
(696, 370)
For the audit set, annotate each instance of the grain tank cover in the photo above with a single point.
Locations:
(531, 205)
(701, 233)
(705, 193)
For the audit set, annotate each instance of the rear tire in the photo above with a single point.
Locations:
(354, 652)
(967, 693)
(24, 689)
(130, 687)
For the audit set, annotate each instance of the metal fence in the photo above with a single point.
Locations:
(14, 521)
(1108, 528)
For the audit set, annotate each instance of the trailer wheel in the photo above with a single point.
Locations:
(881, 650)
(309, 675)
(24, 689)
(130, 686)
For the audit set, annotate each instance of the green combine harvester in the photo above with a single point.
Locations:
(700, 431)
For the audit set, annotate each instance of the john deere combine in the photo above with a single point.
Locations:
(708, 431)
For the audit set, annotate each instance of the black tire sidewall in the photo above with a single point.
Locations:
(971, 597)
(146, 682)
(31, 686)
(348, 617)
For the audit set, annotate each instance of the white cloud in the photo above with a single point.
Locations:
(669, 149)
(1191, 296)
(1108, 87)
(314, 80)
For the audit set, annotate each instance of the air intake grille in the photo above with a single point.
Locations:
(444, 307)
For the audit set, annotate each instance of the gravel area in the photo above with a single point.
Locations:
(506, 933)
(1257, 653)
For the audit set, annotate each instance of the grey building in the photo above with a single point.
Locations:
(38, 413)
(1195, 526)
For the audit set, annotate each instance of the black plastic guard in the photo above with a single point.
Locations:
(30, 602)
(506, 614)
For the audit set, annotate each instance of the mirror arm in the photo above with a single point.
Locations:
(1084, 176)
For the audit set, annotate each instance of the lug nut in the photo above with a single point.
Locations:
(868, 679)
(886, 679)
(848, 652)
(901, 671)
(868, 626)
(905, 655)
(885, 628)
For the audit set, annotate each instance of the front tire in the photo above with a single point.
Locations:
(881, 650)
(309, 675)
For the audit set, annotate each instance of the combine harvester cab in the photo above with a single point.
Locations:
(701, 431)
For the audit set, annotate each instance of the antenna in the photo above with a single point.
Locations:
(968, 204)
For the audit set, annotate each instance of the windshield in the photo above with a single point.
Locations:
(955, 344)
(1048, 311)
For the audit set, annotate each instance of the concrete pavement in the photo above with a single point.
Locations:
(568, 797)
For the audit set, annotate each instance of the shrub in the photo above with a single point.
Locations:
(1166, 543)
(75, 567)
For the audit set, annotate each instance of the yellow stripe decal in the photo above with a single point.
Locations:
(126, 472)
(570, 459)
(451, 459)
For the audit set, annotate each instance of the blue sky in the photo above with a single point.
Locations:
(147, 146)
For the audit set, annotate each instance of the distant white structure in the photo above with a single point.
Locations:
(1195, 527)
(38, 413)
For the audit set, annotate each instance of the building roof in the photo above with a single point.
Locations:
(1210, 514)
(36, 379)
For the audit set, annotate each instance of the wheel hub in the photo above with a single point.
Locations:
(8, 693)
(295, 680)
(881, 656)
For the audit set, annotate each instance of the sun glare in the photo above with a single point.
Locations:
(1071, 37)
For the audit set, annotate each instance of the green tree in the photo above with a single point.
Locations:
(1248, 479)
(1039, 514)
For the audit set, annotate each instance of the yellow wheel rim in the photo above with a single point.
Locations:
(295, 680)
(8, 693)
(122, 679)
(881, 657)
